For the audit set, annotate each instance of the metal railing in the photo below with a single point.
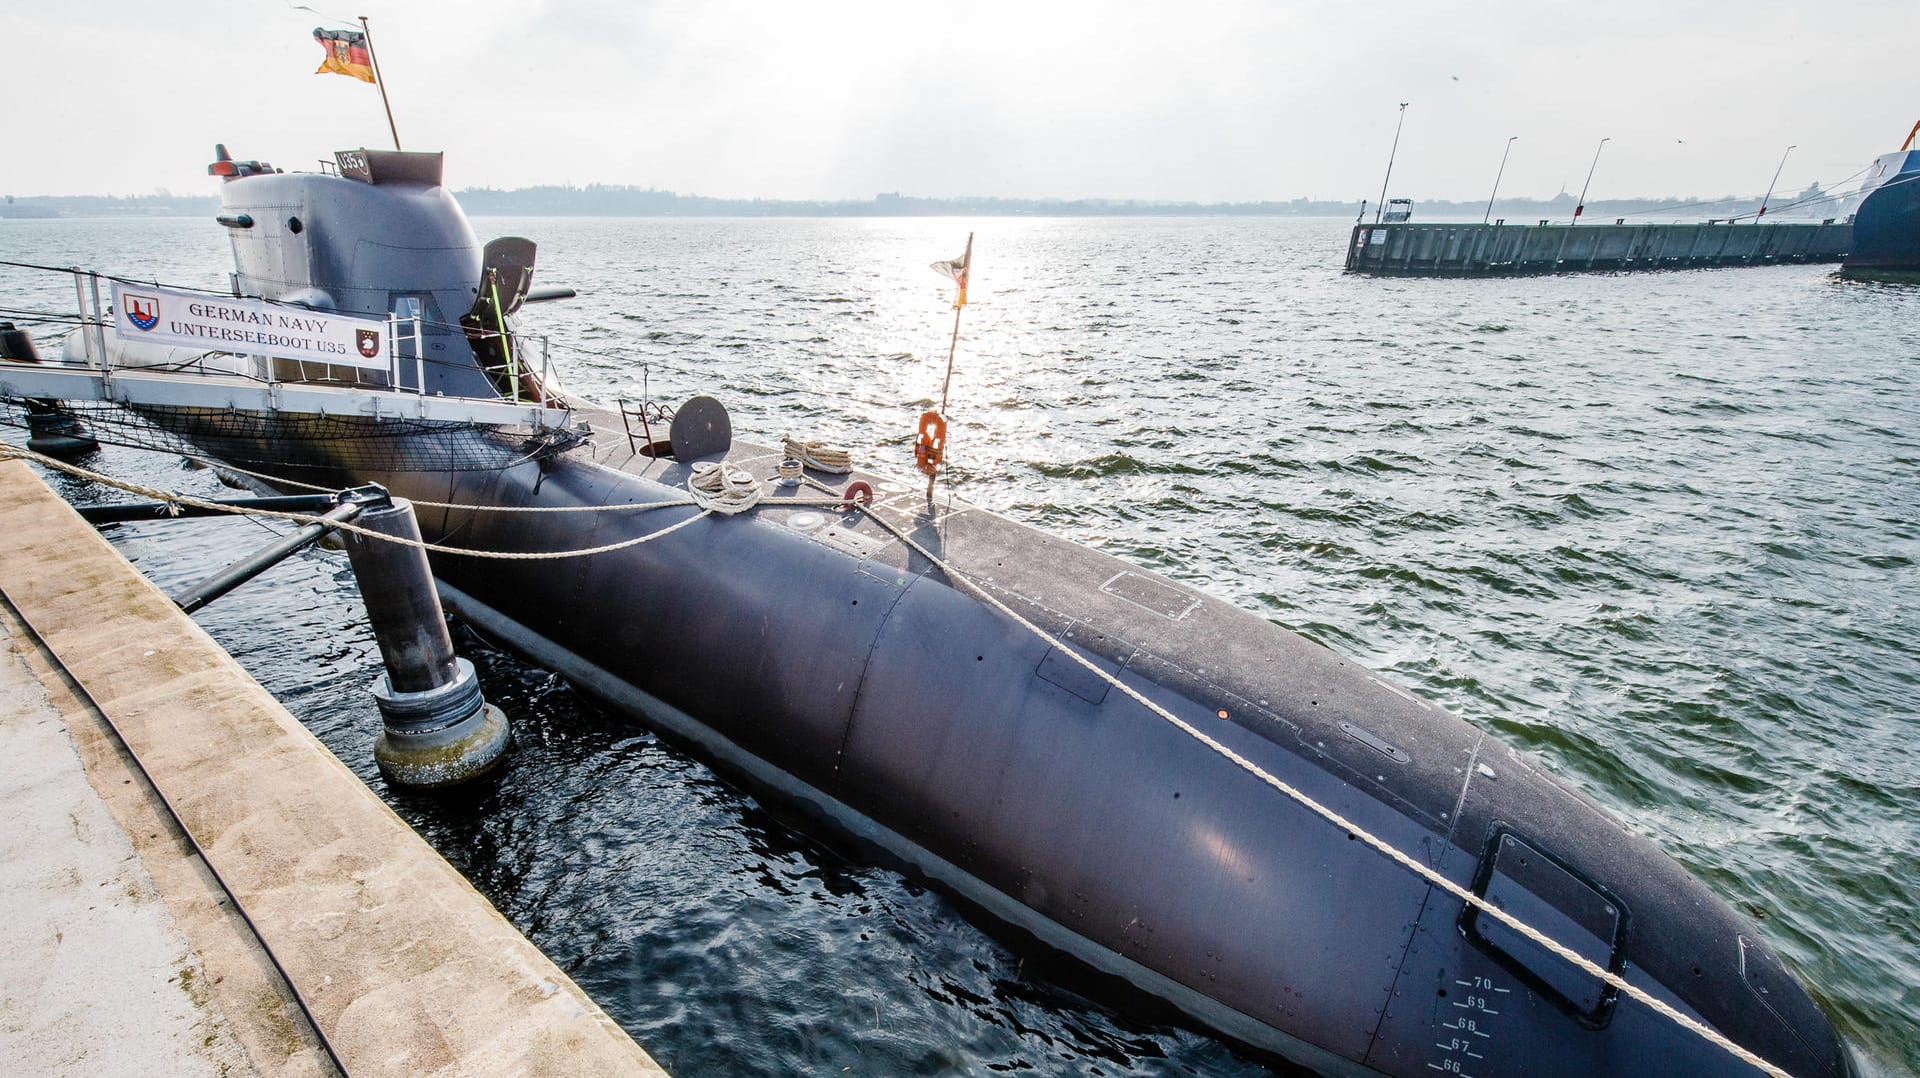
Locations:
(92, 314)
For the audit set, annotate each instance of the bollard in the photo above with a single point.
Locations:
(439, 730)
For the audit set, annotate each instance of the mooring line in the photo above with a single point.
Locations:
(8, 451)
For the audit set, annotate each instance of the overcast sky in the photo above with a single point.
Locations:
(1235, 100)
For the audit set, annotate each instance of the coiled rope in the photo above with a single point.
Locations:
(1393, 853)
(720, 487)
(722, 484)
(818, 455)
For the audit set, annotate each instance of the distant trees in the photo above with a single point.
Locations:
(613, 200)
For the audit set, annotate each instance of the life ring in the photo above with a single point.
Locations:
(932, 444)
(855, 493)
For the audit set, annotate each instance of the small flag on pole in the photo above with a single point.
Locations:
(346, 53)
(957, 271)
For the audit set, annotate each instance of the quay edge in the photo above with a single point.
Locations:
(405, 967)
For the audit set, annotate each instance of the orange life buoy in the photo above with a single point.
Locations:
(933, 442)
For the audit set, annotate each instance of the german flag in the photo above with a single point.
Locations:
(346, 53)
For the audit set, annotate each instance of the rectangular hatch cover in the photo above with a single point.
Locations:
(1519, 878)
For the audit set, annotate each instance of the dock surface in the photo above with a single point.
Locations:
(405, 967)
(1466, 249)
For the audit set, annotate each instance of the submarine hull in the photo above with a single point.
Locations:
(821, 660)
(1886, 226)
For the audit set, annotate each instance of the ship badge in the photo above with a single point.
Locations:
(143, 311)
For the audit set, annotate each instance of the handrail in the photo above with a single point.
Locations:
(91, 318)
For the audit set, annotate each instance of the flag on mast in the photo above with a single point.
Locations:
(957, 271)
(346, 53)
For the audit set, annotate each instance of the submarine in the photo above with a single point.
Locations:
(1290, 850)
(1886, 223)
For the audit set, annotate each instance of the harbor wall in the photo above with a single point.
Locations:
(1439, 249)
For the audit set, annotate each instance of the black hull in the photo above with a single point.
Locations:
(840, 671)
(1886, 230)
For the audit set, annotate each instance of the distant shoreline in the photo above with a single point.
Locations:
(599, 200)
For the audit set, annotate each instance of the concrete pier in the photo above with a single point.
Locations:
(406, 968)
(1438, 249)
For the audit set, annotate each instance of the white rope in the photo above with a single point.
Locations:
(818, 455)
(719, 487)
(172, 498)
(283, 481)
(1392, 852)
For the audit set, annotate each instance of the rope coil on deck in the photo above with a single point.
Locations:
(720, 487)
(818, 455)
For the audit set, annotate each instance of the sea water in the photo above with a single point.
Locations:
(1658, 529)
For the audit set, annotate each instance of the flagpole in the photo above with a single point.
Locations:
(380, 80)
(953, 345)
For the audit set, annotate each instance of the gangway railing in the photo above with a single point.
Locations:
(260, 386)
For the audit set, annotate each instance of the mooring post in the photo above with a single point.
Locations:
(439, 730)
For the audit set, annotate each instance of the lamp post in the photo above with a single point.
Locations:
(1390, 155)
(1770, 183)
(1496, 180)
(1582, 204)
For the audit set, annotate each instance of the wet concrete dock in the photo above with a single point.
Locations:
(119, 954)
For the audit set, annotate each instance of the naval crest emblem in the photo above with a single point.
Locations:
(143, 311)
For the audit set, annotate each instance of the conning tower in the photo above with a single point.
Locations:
(377, 236)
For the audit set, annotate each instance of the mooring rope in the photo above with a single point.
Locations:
(1384, 847)
(466, 506)
(8, 451)
(731, 488)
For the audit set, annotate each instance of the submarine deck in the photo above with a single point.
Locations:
(1273, 683)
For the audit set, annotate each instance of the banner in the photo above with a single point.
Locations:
(247, 326)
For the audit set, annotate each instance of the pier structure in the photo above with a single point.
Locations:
(290, 922)
(1470, 249)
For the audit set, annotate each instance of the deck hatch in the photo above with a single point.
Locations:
(1523, 880)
